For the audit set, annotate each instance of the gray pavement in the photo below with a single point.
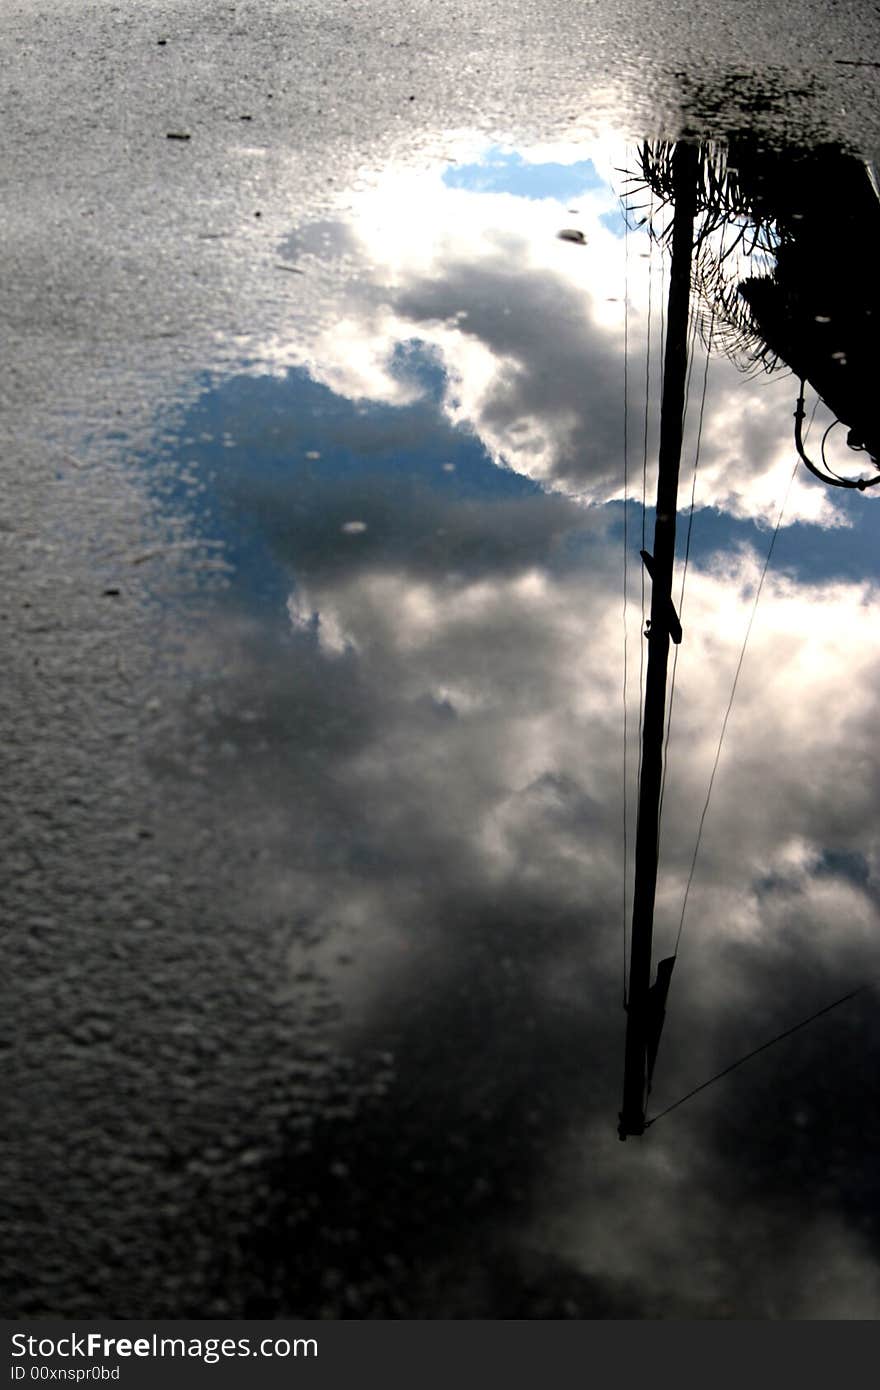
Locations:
(162, 1066)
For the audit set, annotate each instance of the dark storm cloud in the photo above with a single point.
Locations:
(415, 768)
(559, 375)
(425, 817)
(424, 751)
(441, 797)
(409, 779)
(369, 809)
(292, 473)
(400, 525)
(551, 368)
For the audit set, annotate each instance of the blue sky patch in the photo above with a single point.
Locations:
(615, 222)
(284, 465)
(809, 553)
(501, 171)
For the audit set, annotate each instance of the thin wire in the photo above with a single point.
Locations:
(644, 496)
(687, 391)
(812, 418)
(687, 553)
(690, 370)
(625, 578)
(763, 1048)
(687, 550)
(825, 462)
(662, 318)
(739, 666)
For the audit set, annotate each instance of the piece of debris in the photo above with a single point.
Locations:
(177, 135)
(112, 593)
(572, 234)
(294, 269)
(245, 118)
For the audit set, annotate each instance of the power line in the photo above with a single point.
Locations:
(645, 485)
(662, 317)
(687, 549)
(739, 666)
(812, 418)
(625, 574)
(779, 1037)
(690, 528)
(763, 1048)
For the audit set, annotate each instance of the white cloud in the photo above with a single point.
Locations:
(432, 772)
(529, 330)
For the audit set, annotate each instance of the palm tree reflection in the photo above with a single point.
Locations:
(786, 270)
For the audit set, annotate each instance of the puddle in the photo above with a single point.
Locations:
(386, 741)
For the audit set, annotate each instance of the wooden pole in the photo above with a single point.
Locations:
(684, 174)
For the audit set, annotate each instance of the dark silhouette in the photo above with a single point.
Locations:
(815, 216)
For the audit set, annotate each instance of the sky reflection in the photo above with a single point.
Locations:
(404, 704)
(421, 492)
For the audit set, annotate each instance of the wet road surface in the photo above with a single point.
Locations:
(321, 449)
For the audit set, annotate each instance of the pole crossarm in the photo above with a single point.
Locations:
(671, 618)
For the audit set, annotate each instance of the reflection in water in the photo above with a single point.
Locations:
(401, 720)
(815, 216)
(708, 193)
